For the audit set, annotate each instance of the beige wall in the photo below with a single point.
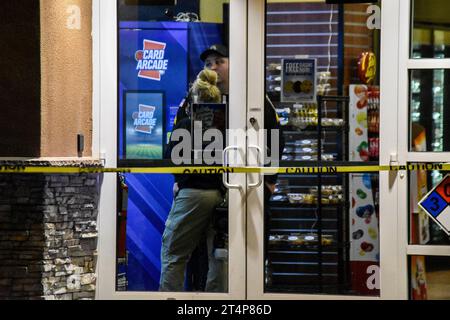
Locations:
(297, 1)
(211, 10)
(66, 80)
(436, 11)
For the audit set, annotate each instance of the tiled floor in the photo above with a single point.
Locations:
(438, 285)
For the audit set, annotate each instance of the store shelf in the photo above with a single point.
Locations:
(309, 265)
(313, 129)
(288, 205)
(310, 247)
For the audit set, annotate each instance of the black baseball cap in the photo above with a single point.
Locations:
(218, 49)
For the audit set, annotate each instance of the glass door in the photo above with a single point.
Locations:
(318, 69)
(171, 80)
(313, 76)
(423, 138)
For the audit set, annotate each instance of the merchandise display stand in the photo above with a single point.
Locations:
(308, 246)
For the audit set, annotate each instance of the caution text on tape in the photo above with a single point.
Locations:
(220, 170)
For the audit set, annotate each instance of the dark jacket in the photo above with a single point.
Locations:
(182, 121)
(193, 181)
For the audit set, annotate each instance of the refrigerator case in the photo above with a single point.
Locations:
(428, 98)
(157, 62)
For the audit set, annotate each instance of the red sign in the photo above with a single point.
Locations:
(444, 189)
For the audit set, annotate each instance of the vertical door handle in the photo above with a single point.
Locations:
(224, 163)
(260, 164)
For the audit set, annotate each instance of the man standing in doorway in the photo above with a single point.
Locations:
(215, 58)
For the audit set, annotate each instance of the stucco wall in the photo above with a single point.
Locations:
(211, 10)
(66, 77)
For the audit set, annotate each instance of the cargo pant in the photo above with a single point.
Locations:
(190, 217)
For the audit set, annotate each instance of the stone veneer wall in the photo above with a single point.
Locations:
(48, 235)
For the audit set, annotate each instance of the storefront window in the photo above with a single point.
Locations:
(430, 34)
(429, 121)
(429, 116)
(322, 231)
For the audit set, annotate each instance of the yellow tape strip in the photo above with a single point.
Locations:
(220, 170)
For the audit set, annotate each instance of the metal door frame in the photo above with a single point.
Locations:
(105, 105)
(405, 65)
(389, 269)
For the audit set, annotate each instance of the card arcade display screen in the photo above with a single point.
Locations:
(144, 123)
(153, 57)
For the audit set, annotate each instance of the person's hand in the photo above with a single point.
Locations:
(271, 187)
(175, 189)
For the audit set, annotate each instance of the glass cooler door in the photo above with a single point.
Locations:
(424, 132)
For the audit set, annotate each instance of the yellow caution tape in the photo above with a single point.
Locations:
(221, 170)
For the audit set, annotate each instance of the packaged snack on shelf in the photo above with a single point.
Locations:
(305, 158)
(283, 113)
(274, 67)
(374, 149)
(279, 198)
(335, 199)
(288, 150)
(328, 157)
(282, 187)
(327, 190)
(296, 198)
(305, 151)
(327, 240)
(332, 122)
(309, 239)
(275, 88)
(306, 143)
(276, 240)
(301, 198)
(309, 199)
(274, 78)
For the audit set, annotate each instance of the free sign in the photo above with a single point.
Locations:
(437, 204)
